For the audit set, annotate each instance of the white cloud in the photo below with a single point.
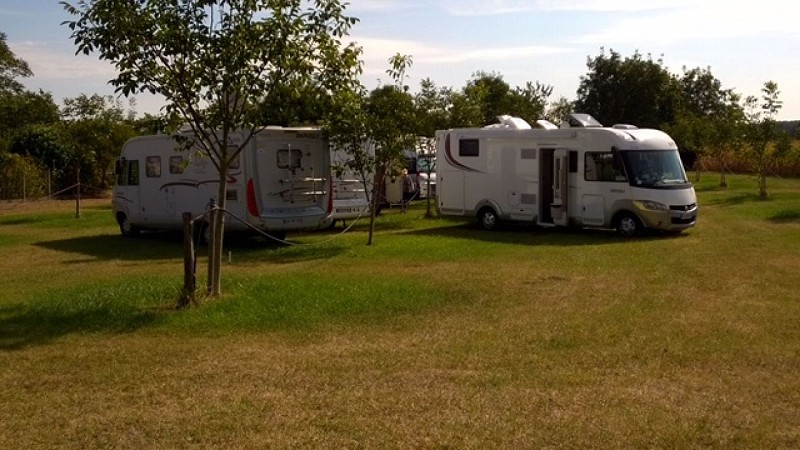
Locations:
(50, 64)
(693, 22)
(611, 5)
(497, 7)
(381, 6)
(378, 51)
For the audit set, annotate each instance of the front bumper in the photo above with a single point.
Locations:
(679, 217)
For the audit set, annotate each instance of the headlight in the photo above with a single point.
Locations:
(652, 206)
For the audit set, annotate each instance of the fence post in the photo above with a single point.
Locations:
(78, 195)
(189, 279)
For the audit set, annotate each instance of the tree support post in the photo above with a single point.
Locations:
(189, 264)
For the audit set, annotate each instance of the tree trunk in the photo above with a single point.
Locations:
(762, 182)
(215, 246)
(377, 182)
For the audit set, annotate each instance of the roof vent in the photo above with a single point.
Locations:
(625, 126)
(580, 121)
(510, 123)
(546, 124)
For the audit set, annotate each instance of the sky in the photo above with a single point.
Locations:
(743, 43)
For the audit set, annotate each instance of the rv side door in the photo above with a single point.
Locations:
(559, 207)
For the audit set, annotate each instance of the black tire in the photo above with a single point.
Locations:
(628, 225)
(125, 227)
(487, 218)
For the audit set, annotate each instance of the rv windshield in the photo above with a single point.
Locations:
(655, 168)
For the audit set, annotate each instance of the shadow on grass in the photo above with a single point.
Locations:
(785, 216)
(736, 199)
(169, 245)
(22, 327)
(21, 220)
(150, 246)
(511, 233)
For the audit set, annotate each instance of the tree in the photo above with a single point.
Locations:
(215, 62)
(96, 128)
(375, 129)
(432, 106)
(634, 90)
(19, 110)
(709, 118)
(11, 68)
(490, 94)
(763, 131)
(390, 124)
(529, 102)
(559, 110)
(44, 146)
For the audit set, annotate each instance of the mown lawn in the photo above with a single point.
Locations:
(438, 335)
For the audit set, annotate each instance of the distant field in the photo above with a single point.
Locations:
(439, 335)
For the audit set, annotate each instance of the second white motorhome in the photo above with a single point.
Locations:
(349, 193)
(281, 182)
(581, 174)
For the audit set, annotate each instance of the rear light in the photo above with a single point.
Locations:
(252, 206)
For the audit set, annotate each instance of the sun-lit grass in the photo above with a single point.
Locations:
(438, 335)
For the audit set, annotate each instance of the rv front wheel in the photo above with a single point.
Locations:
(628, 225)
(125, 226)
(487, 218)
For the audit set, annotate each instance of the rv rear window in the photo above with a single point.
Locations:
(289, 158)
(469, 147)
(153, 166)
(176, 164)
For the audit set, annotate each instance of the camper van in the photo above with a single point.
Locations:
(281, 182)
(580, 174)
(349, 193)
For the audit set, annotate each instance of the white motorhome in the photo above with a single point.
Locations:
(349, 194)
(281, 182)
(581, 174)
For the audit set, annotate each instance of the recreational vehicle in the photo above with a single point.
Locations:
(281, 182)
(349, 194)
(580, 174)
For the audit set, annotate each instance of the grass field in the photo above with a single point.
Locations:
(440, 335)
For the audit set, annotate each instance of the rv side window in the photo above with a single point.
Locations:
(289, 158)
(603, 167)
(176, 164)
(153, 166)
(122, 172)
(133, 173)
(469, 147)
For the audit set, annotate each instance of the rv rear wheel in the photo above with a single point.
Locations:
(125, 226)
(487, 218)
(628, 225)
